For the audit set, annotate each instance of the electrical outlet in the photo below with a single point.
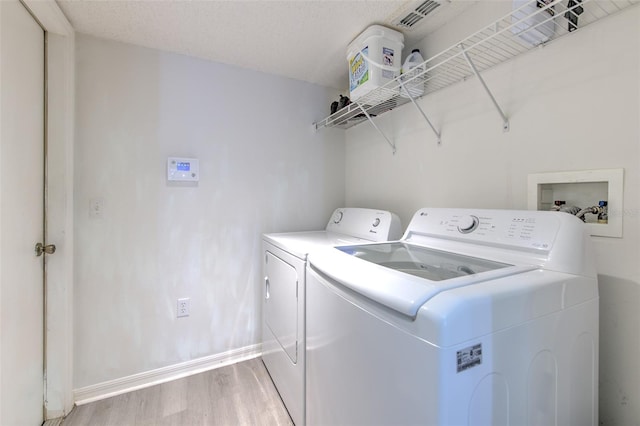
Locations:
(183, 307)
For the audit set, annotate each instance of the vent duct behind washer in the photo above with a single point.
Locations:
(420, 12)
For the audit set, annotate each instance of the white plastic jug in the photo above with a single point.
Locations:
(411, 68)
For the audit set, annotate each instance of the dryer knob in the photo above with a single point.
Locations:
(337, 217)
(467, 224)
(376, 222)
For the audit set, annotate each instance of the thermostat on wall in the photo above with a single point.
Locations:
(183, 169)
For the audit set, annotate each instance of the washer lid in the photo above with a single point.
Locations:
(404, 276)
(423, 262)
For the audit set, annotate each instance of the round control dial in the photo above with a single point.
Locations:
(337, 217)
(467, 223)
(376, 222)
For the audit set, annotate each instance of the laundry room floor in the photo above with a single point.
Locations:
(239, 394)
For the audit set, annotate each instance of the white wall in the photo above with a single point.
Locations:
(263, 169)
(573, 105)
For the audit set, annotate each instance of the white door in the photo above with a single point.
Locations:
(21, 215)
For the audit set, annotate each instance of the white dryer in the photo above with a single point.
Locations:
(475, 317)
(285, 258)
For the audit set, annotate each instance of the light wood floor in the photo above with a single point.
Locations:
(240, 394)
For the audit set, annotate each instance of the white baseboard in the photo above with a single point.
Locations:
(165, 374)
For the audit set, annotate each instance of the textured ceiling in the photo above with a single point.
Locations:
(300, 39)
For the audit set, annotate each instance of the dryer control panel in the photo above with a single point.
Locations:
(368, 224)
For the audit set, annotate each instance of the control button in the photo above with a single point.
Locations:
(338, 217)
(376, 222)
(467, 224)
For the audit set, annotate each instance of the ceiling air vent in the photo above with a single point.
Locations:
(421, 11)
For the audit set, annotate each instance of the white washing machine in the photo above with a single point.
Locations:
(475, 317)
(285, 258)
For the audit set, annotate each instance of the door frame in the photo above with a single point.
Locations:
(60, 99)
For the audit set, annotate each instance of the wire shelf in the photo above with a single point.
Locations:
(535, 22)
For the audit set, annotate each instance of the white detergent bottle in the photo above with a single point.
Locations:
(411, 68)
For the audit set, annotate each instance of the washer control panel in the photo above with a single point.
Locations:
(526, 229)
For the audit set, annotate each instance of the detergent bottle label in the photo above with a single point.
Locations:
(358, 70)
(387, 59)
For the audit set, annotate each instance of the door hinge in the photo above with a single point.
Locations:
(44, 391)
(42, 249)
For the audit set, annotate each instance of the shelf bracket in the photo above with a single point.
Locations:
(505, 120)
(391, 144)
(408, 93)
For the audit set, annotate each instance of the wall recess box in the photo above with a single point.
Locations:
(583, 189)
